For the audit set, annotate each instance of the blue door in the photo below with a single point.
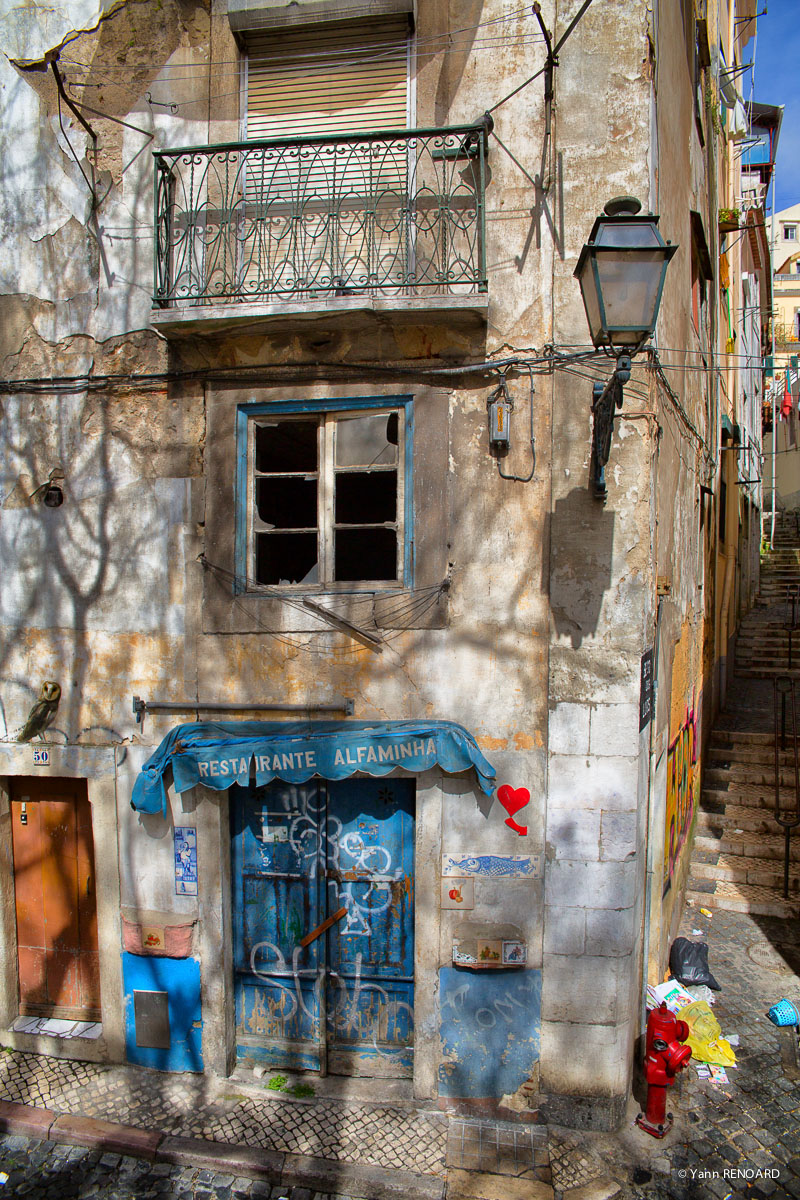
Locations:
(323, 905)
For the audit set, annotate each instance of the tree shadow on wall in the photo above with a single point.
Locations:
(581, 547)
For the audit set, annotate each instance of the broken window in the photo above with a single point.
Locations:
(326, 498)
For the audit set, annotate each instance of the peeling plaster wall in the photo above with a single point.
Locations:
(552, 597)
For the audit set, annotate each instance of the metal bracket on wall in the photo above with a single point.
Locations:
(346, 705)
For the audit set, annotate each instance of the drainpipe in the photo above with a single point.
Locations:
(651, 840)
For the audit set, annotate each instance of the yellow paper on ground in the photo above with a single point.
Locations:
(705, 1038)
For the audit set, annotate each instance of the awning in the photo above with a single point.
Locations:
(221, 753)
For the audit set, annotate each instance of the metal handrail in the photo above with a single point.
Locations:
(785, 687)
(398, 212)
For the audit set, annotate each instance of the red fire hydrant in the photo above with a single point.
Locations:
(664, 1057)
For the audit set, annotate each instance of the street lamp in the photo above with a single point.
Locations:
(621, 271)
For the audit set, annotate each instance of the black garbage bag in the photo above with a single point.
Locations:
(688, 962)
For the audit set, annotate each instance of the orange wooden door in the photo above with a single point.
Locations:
(54, 886)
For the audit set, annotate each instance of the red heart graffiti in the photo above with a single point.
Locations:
(513, 799)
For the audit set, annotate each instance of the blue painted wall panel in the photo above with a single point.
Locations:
(180, 979)
(490, 1026)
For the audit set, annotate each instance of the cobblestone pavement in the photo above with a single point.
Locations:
(193, 1106)
(42, 1169)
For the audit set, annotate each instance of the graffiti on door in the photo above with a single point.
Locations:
(324, 952)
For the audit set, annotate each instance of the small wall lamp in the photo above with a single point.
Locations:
(621, 271)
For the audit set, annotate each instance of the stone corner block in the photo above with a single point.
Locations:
(614, 730)
(568, 729)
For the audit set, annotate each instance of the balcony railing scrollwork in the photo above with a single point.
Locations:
(391, 213)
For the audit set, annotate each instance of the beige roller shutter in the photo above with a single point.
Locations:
(334, 79)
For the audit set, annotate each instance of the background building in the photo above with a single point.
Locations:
(252, 327)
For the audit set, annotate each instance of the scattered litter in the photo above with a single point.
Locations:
(733, 1039)
(697, 932)
(702, 993)
(706, 912)
(3, 1177)
(259, 1072)
(671, 993)
(718, 1074)
(705, 1038)
(703, 1072)
(738, 831)
(688, 962)
(784, 1013)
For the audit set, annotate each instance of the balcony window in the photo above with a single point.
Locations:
(330, 195)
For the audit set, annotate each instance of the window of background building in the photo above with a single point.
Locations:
(790, 233)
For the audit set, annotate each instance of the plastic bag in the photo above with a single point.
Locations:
(705, 1038)
(688, 962)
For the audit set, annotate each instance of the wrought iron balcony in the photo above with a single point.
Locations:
(394, 213)
(786, 333)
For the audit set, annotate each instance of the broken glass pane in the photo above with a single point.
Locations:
(286, 558)
(365, 554)
(287, 446)
(286, 502)
(366, 441)
(366, 498)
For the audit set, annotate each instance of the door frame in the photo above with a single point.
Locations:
(99, 775)
(217, 953)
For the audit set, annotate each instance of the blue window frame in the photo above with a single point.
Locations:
(324, 494)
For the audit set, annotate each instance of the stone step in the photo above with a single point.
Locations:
(737, 817)
(761, 872)
(747, 796)
(763, 671)
(741, 897)
(718, 777)
(721, 758)
(744, 738)
(747, 845)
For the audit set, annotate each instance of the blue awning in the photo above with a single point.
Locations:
(221, 753)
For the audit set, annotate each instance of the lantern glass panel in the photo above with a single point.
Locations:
(591, 301)
(630, 286)
(639, 235)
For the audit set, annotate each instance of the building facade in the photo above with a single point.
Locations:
(360, 737)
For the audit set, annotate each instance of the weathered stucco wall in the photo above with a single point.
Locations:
(535, 645)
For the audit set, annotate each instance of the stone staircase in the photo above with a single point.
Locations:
(738, 853)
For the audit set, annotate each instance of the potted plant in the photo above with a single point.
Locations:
(729, 219)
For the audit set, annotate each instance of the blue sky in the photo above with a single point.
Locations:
(777, 81)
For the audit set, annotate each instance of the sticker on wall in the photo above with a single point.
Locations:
(458, 893)
(185, 860)
(514, 954)
(492, 866)
(41, 757)
(278, 833)
(153, 937)
(512, 800)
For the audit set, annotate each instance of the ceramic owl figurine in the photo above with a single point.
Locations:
(43, 712)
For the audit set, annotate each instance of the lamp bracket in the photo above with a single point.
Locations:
(606, 399)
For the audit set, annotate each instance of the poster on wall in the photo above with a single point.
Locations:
(185, 837)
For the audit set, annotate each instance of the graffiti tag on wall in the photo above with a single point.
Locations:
(682, 783)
